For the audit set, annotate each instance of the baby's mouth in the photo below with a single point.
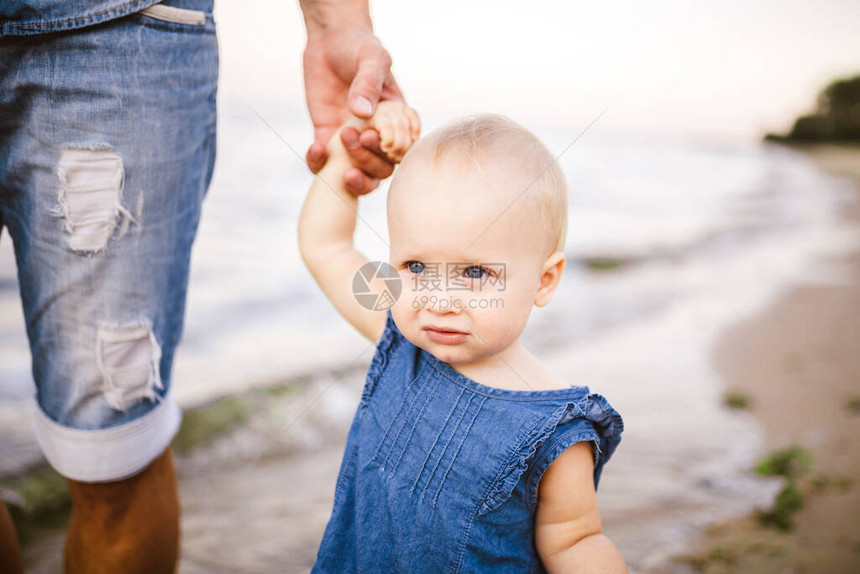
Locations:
(445, 335)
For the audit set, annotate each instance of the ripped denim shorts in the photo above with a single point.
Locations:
(107, 145)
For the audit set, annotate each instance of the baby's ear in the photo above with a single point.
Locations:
(553, 268)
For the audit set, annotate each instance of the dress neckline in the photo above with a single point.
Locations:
(429, 361)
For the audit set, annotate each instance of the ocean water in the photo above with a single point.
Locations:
(709, 233)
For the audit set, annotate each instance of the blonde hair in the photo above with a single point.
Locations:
(493, 141)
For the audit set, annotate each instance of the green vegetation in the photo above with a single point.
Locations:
(853, 405)
(792, 463)
(202, 425)
(718, 556)
(283, 390)
(824, 483)
(836, 117)
(604, 264)
(733, 555)
(788, 501)
(39, 500)
(737, 400)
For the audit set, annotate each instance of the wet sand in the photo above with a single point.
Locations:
(257, 498)
(798, 362)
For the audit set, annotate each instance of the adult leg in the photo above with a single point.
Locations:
(129, 526)
(107, 138)
(10, 553)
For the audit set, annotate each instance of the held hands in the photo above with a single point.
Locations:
(347, 71)
(397, 126)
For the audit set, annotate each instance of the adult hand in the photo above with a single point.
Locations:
(347, 71)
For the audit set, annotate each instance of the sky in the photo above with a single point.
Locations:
(730, 69)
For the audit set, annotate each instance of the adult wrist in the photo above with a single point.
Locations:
(322, 16)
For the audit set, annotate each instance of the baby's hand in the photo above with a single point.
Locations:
(398, 126)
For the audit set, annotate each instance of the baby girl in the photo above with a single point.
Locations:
(465, 454)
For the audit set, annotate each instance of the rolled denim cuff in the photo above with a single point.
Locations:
(111, 454)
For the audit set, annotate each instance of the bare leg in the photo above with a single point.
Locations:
(129, 526)
(10, 553)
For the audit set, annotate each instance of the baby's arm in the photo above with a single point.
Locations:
(327, 221)
(568, 531)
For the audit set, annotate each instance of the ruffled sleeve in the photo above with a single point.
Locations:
(590, 419)
(388, 341)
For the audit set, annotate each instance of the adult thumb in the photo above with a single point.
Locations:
(366, 88)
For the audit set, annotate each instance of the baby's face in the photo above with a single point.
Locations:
(470, 255)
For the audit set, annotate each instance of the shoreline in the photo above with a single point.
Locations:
(796, 368)
(270, 455)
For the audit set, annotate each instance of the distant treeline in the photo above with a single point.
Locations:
(836, 117)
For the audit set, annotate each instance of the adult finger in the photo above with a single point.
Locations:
(370, 139)
(365, 159)
(358, 183)
(316, 157)
(374, 67)
(322, 135)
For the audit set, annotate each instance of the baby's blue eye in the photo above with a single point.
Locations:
(415, 266)
(475, 272)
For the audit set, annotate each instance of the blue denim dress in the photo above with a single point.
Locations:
(440, 472)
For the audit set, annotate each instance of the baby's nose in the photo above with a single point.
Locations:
(445, 303)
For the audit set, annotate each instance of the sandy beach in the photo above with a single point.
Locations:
(798, 365)
(662, 337)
